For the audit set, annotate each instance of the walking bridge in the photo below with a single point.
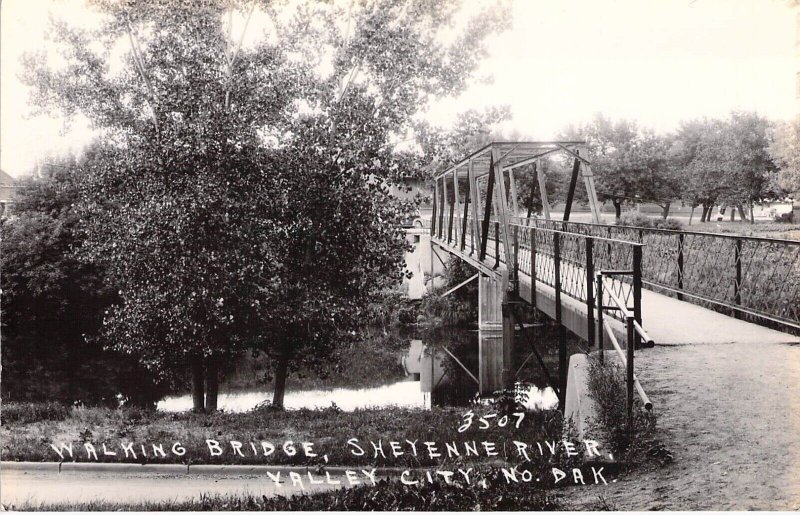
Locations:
(618, 288)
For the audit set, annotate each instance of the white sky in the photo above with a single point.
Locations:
(656, 61)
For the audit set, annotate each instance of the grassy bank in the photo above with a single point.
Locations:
(386, 496)
(27, 432)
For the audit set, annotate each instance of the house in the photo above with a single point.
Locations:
(8, 187)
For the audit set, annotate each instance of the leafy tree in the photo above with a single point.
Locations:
(53, 304)
(240, 198)
(785, 151)
(629, 163)
(727, 161)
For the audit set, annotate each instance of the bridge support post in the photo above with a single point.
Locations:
(490, 302)
(509, 373)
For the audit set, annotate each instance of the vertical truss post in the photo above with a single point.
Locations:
(488, 211)
(589, 291)
(466, 217)
(540, 176)
(445, 202)
(473, 191)
(573, 181)
(457, 202)
(501, 207)
(441, 213)
(513, 188)
(588, 180)
(434, 201)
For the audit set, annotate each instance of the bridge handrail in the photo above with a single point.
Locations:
(753, 277)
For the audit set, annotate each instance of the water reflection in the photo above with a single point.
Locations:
(442, 373)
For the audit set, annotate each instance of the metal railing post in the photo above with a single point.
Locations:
(532, 232)
(680, 265)
(737, 285)
(637, 287)
(600, 327)
(589, 291)
(629, 372)
(562, 334)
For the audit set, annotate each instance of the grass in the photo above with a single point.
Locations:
(328, 429)
(385, 496)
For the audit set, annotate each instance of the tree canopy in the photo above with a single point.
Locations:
(239, 193)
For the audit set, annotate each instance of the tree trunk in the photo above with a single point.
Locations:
(741, 213)
(280, 380)
(665, 210)
(617, 207)
(706, 211)
(733, 213)
(752, 216)
(212, 383)
(198, 393)
(691, 215)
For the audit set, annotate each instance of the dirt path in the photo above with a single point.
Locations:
(730, 414)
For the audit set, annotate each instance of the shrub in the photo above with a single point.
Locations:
(634, 219)
(669, 223)
(606, 385)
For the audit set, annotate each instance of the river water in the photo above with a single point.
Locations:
(417, 371)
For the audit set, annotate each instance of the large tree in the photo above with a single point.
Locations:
(727, 162)
(241, 194)
(630, 163)
(785, 151)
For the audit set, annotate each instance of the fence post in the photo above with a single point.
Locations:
(737, 285)
(600, 329)
(562, 334)
(589, 291)
(629, 373)
(637, 288)
(680, 265)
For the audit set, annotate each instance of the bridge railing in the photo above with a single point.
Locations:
(754, 278)
(568, 263)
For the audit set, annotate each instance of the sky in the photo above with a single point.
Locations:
(655, 61)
